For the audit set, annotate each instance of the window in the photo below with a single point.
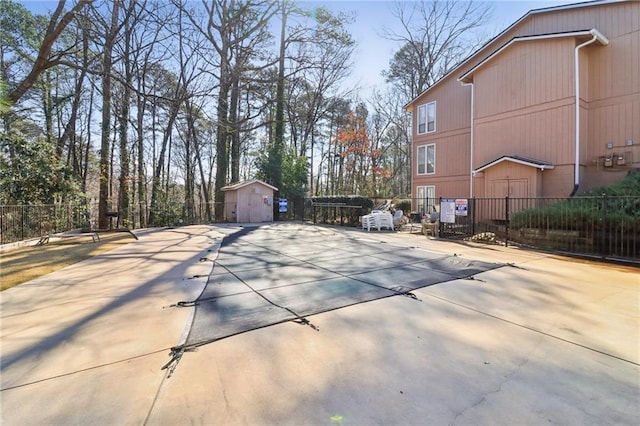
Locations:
(427, 159)
(427, 118)
(426, 199)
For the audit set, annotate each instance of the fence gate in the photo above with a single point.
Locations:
(457, 217)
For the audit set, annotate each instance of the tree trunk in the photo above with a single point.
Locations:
(275, 155)
(141, 177)
(222, 157)
(87, 148)
(70, 128)
(156, 185)
(105, 144)
(124, 179)
(235, 136)
(198, 151)
(189, 199)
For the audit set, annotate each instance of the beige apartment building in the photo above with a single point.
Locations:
(548, 108)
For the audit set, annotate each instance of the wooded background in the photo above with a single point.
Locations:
(140, 102)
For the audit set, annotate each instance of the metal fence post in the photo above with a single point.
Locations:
(506, 210)
(440, 223)
(472, 202)
(22, 223)
(603, 230)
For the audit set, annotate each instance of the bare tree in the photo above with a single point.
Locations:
(57, 24)
(80, 75)
(191, 52)
(436, 36)
(232, 27)
(391, 127)
(131, 21)
(171, 99)
(324, 60)
(112, 29)
(148, 39)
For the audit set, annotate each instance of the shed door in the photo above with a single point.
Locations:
(519, 188)
(255, 207)
(513, 188)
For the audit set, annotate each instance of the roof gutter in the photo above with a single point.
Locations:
(597, 36)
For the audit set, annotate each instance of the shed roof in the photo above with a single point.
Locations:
(516, 159)
(242, 184)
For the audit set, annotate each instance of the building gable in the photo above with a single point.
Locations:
(559, 85)
(242, 184)
(534, 22)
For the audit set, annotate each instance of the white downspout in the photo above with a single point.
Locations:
(576, 168)
(471, 144)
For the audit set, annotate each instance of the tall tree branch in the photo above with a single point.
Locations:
(54, 30)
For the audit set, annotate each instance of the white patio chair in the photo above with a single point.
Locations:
(430, 224)
(368, 221)
(384, 220)
(398, 217)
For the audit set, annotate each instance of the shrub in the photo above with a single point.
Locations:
(617, 205)
(331, 215)
(404, 205)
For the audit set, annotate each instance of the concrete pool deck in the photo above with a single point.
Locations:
(547, 340)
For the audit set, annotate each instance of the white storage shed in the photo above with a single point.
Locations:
(249, 201)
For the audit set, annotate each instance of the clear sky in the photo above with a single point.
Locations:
(374, 52)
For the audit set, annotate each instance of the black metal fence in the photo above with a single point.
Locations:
(18, 223)
(606, 227)
(334, 213)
